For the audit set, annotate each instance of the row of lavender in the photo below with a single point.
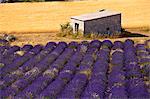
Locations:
(76, 70)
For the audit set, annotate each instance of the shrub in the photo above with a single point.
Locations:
(66, 29)
(74, 35)
(87, 35)
(79, 34)
(94, 35)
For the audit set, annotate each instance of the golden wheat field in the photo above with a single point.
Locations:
(39, 17)
(44, 19)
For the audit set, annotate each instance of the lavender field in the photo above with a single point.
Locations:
(86, 70)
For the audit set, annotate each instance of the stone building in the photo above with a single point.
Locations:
(101, 22)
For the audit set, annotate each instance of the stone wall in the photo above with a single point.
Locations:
(101, 25)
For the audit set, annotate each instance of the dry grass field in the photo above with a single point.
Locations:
(44, 19)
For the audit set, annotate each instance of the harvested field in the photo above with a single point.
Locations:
(46, 17)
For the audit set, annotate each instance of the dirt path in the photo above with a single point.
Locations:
(43, 38)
